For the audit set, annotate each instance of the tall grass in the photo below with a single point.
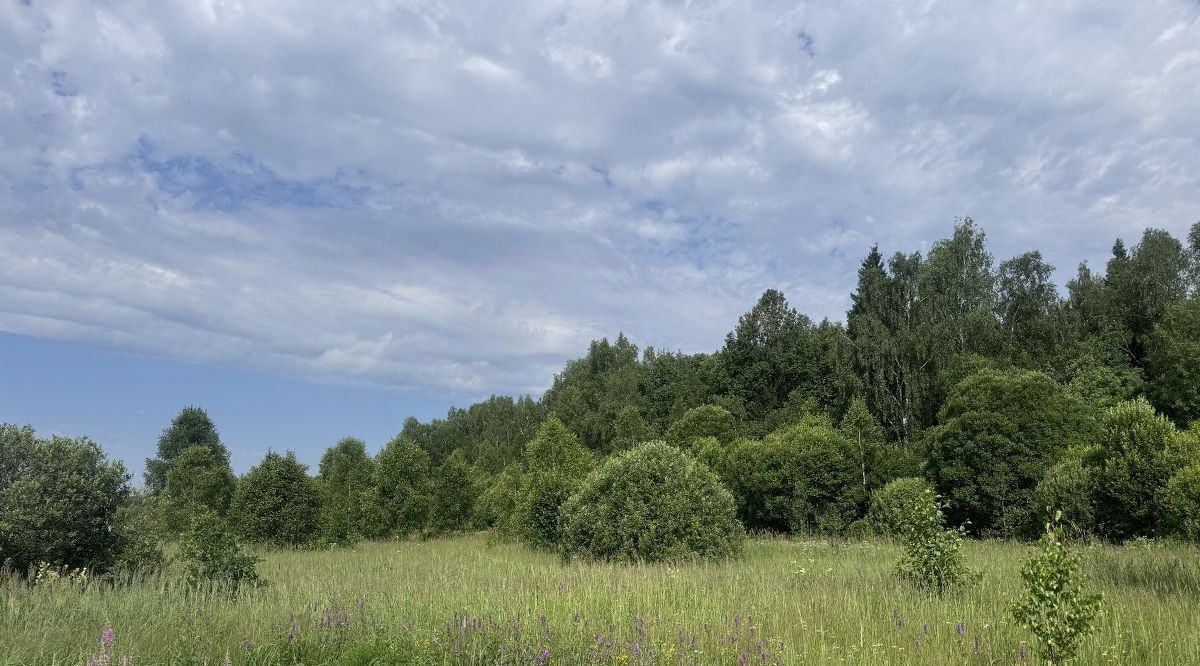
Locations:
(465, 600)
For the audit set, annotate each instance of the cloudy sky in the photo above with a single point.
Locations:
(317, 218)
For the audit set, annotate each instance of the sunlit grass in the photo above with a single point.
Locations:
(466, 601)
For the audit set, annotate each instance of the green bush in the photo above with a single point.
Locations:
(891, 503)
(932, 553)
(1134, 461)
(1181, 502)
(1067, 486)
(702, 421)
(276, 503)
(210, 555)
(651, 503)
(1054, 606)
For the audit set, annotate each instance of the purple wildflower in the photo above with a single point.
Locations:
(248, 645)
(1022, 652)
(918, 644)
(108, 637)
(961, 629)
(227, 662)
(925, 628)
(543, 658)
(743, 659)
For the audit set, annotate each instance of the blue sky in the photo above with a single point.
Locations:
(317, 218)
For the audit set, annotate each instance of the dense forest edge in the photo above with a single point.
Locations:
(980, 382)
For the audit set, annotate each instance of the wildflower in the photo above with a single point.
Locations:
(918, 644)
(961, 629)
(248, 645)
(977, 645)
(227, 662)
(543, 658)
(108, 637)
(925, 629)
(1022, 652)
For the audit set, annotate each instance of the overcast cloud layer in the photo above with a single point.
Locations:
(459, 196)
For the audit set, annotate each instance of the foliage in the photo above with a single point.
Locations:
(399, 503)
(199, 480)
(138, 533)
(1132, 463)
(497, 504)
(804, 478)
(452, 496)
(210, 554)
(1055, 606)
(1067, 487)
(999, 432)
(191, 427)
(556, 463)
(276, 503)
(893, 503)
(1173, 358)
(59, 500)
(702, 421)
(344, 482)
(932, 553)
(652, 503)
(1181, 503)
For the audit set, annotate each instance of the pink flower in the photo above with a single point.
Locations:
(108, 637)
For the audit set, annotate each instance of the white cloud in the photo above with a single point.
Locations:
(461, 195)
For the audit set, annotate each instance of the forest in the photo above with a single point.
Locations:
(1017, 408)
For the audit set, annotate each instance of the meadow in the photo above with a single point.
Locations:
(465, 600)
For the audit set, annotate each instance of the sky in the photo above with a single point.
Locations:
(316, 219)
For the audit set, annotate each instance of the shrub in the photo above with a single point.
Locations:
(1181, 502)
(1067, 486)
(1132, 464)
(210, 554)
(276, 503)
(59, 499)
(497, 504)
(1054, 606)
(932, 554)
(702, 421)
(891, 503)
(998, 433)
(651, 503)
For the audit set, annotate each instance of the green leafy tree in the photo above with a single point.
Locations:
(1027, 308)
(399, 503)
(199, 481)
(1055, 605)
(556, 463)
(1132, 464)
(768, 355)
(650, 504)
(276, 503)
(591, 391)
(497, 504)
(191, 427)
(59, 499)
(702, 421)
(629, 428)
(1141, 285)
(878, 461)
(999, 432)
(344, 479)
(452, 498)
(1173, 360)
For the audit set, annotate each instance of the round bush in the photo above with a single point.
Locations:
(892, 502)
(652, 503)
(1181, 500)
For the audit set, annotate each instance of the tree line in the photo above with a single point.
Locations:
(981, 381)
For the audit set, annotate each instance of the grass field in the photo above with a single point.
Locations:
(464, 600)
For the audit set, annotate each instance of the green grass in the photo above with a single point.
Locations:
(465, 601)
